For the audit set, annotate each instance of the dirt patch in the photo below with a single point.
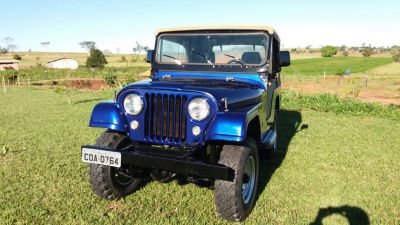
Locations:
(93, 84)
(90, 84)
(381, 98)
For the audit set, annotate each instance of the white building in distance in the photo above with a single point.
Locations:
(63, 63)
(9, 64)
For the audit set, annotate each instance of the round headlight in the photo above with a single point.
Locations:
(133, 104)
(199, 109)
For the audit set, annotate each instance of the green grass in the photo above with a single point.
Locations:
(317, 66)
(42, 73)
(326, 159)
(346, 106)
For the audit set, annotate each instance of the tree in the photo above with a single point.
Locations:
(45, 44)
(343, 48)
(96, 59)
(88, 45)
(328, 51)
(367, 51)
(9, 45)
(137, 50)
(8, 40)
(3, 50)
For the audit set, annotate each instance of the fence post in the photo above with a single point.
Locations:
(29, 82)
(366, 80)
(4, 84)
(18, 80)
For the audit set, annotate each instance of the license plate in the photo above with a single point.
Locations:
(96, 156)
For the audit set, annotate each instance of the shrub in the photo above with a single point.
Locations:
(328, 51)
(340, 72)
(345, 53)
(367, 51)
(96, 59)
(111, 80)
(396, 55)
(17, 57)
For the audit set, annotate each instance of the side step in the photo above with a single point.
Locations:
(268, 140)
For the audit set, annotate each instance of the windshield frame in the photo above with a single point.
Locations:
(222, 67)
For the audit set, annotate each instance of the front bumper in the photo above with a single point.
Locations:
(172, 164)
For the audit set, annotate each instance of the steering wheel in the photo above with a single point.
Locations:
(239, 61)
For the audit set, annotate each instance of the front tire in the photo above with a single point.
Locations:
(235, 200)
(110, 182)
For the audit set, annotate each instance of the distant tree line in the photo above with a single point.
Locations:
(365, 50)
(9, 45)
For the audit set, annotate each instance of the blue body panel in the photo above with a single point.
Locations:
(108, 115)
(244, 104)
(250, 78)
(227, 126)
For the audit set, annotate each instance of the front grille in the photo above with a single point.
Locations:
(165, 117)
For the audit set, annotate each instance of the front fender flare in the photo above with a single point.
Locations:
(227, 127)
(108, 115)
(230, 126)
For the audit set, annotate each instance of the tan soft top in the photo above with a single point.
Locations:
(270, 30)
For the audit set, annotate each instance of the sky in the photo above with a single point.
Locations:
(117, 24)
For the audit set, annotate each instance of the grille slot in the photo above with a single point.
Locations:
(165, 117)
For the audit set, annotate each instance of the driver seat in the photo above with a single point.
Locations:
(251, 57)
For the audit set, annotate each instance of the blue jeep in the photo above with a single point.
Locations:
(206, 116)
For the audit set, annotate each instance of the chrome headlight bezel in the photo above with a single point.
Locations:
(133, 104)
(199, 109)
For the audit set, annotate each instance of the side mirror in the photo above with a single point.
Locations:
(149, 57)
(284, 58)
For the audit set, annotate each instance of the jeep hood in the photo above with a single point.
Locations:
(239, 89)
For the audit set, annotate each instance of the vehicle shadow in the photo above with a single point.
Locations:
(354, 215)
(288, 125)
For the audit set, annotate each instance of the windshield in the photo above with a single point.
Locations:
(212, 49)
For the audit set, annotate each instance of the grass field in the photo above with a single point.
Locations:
(378, 84)
(30, 59)
(330, 164)
(331, 66)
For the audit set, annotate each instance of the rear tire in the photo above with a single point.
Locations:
(235, 200)
(110, 182)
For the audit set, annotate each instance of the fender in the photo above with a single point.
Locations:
(276, 94)
(230, 126)
(108, 115)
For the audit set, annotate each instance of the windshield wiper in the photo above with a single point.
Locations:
(204, 57)
(176, 60)
(235, 59)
